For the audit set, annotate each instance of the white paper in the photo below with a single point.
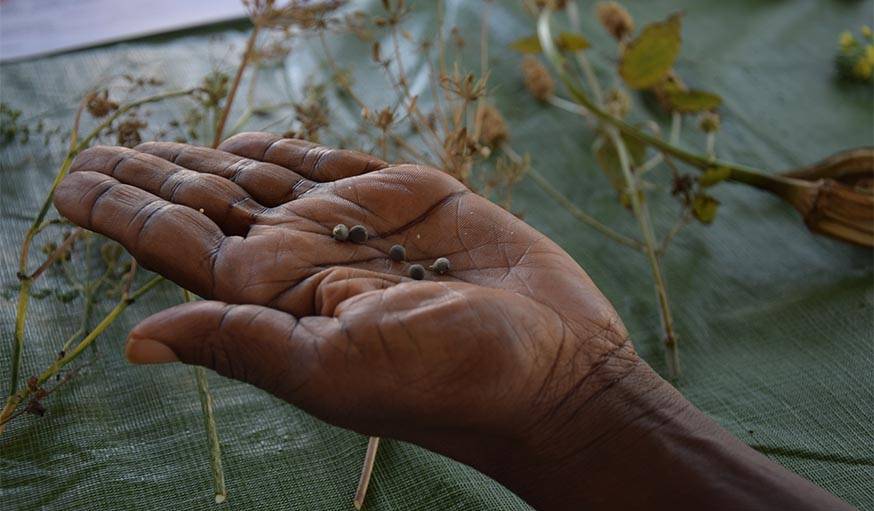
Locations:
(30, 28)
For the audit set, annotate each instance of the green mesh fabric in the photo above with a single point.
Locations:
(775, 323)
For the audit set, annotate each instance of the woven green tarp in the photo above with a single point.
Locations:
(776, 323)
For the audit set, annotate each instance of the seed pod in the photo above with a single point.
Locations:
(441, 266)
(417, 272)
(340, 232)
(397, 253)
(358, 234)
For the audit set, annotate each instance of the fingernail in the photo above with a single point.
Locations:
(140, 350)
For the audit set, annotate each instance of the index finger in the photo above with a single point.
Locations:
(173, 240)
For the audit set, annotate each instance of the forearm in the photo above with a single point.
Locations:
(640, 445)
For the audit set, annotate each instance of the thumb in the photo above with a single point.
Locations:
(258, 345)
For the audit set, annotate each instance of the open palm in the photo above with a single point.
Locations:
(515, 331)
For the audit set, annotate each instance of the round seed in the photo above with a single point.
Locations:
(417, 272)
(397, 253)
(358, 234)
(340, 232)
(441, 265)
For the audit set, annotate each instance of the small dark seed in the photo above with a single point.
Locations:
(358, 234)
(417, 272)
(441, 265)
(340, 232)
(397, 253)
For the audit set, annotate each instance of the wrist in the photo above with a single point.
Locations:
(638, 444)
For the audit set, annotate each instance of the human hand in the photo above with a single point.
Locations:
(510, 362)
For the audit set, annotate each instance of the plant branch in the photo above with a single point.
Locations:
(53, 369)
(36, 226)
(366, 472)
(740, 173)
(229, 100)
(212, 438)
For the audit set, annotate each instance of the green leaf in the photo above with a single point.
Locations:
(692, 100)
(714, 175)
(648, 58)
(568, 41)
(530, 44)
(704, 208)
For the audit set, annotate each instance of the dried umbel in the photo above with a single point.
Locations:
(537, 79)
(294, 13)
(836, 195)
(615, 19)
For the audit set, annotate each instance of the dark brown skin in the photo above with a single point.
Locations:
(513, 362)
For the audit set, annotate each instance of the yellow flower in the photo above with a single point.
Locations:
(866, 31)
(863, 69)
(847, 40)
(869, 53)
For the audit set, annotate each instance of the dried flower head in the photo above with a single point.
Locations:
(493, 128)
(215, 88)
(98, 103)
(616, 19)
(537, 79)
(128, 131)
(295, 13)
(466, 86)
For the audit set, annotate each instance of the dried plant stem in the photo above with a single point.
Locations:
(682, 221)
(229, 100)
(366, 471)
(212, 438)
(215, 450)
(127, 299)
(63, 247)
